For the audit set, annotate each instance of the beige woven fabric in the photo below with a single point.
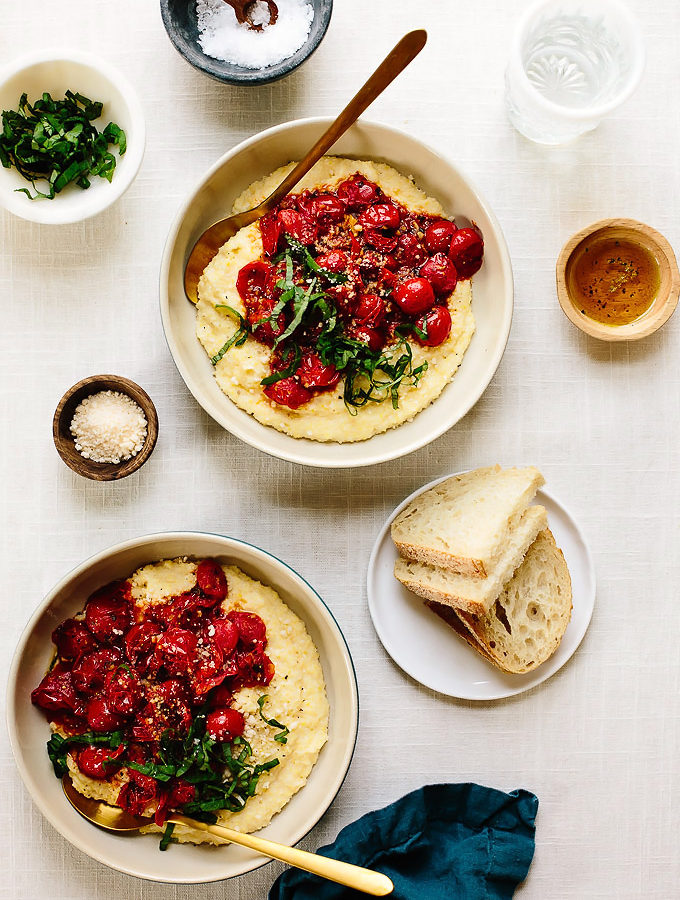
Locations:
(598, 743)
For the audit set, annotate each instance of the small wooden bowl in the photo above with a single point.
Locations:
(63, 439)
(669, 287)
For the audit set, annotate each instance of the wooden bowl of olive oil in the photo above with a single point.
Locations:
(618, 280)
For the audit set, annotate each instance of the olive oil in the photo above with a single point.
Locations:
(613, 281)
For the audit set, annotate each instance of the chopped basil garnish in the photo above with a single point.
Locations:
(59, 746)
(238, 337)
(282, 736)
(167, 834)
(55, 141)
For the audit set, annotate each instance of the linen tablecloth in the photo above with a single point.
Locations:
(598, 743)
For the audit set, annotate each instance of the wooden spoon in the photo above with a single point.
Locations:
(211, 240)
(112, 818)
(244, 11)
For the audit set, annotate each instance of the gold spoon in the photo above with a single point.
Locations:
(112, 818)
(211, 240)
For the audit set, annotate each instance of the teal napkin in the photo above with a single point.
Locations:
(440, 842)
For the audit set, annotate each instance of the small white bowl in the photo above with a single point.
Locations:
(57, 71)
(138, 854)
(256, 157)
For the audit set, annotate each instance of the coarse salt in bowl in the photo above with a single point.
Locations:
(207, 34)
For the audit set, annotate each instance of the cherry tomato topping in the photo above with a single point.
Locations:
(438, 236)
(124, 690)
(100, 715)
(380, 215)
(370, 310)
(99, 762)
(137, 794)
(224, 724)
(55, 692)
(211, 579)
(358, 192)
(89, 673)
(327, 208)
(385, 243)
(415, 295)
(251, 279)
(373, 337)
(270, 230)
(441, 273)
(298, 225)
(108, 616)
(140, 644)
(224, 634)
(466, 252)
(250, 626)
(333, 261)
(313, 374)
(437, 326)
(176, 651)
(73, 638)
(409, 250)
(288, 392)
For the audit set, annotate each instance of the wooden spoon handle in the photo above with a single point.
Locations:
(394, 63)
(374, 883)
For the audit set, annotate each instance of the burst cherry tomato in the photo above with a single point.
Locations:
(270, 230)
(415, 295)
(101, 717)
(140, 644)
(250, 626)
(224, 634)
(108, 616)
(437, 326)
(211, 579)
(99, 762)
(176, 651)
(384, 242)
(224, 724)
(89, 673)
(298, 225)
(124, 690)
(441, 273)
(138, 793)
(380, 215)
(372, 337)
(409, 250)
(288, 392)
(358, 192)
(313, 374)
(438, 236)
(370, 310)
(252, 279)
(55, 692)
(327, 208)
(466, 252)
(334, 261)
(73, 638)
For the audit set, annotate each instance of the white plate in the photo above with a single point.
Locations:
(213, 198)
(427, 649)
(138, 854)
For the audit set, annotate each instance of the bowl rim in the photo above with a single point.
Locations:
(134, 152)
(646, 324)
(368, 458)
(248, 77)
(230, 543)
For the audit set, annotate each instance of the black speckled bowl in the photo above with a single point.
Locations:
(179, 18)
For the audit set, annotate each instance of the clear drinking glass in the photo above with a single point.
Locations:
(571, 63)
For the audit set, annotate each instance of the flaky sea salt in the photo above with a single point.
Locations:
(108, 427)
(223, 37)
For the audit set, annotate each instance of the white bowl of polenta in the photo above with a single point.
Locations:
(300, 735)
(358, 321)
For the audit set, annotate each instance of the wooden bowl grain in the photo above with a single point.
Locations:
(665, 301)
(63, 439)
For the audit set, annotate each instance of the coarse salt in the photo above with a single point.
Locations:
(223, 37)
(108, 427)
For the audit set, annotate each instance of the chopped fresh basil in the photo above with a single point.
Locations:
(55, 141)
(238, 337)
(282, 736)
(167, 835)
(59, 746)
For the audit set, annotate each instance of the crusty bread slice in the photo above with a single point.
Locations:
(475, 595)
(450, 616)
(463, 523)
(529, 619)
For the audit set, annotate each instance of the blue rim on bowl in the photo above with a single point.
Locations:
(181, 24)
(27, 728)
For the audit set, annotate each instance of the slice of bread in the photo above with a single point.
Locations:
(463, 523)
(530, 616)
(475, 595)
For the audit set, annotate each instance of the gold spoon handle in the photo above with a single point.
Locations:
(395, 62)
(374, 883)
